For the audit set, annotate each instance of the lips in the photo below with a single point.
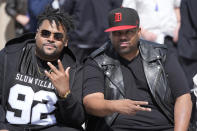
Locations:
(123, 44)
(49, 45)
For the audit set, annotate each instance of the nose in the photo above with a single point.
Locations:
(123, 35)
(51, 38)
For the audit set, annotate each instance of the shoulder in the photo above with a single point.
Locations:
(101, 50)
(151, 51)
(149, 44)
(19, 42)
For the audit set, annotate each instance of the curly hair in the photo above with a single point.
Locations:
(56, 15)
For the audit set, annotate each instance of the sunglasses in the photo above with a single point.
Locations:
(57, 36)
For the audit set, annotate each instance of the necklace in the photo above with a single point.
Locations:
(41, 73)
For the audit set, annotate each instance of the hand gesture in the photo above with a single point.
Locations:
(59, 78)
(130, 107)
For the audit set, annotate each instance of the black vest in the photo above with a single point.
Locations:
(153, 56)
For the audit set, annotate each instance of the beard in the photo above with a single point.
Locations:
(43, 54)
(127, 49)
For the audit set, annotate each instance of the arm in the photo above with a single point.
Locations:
(182, 112)
(176, 31)
(95, 104)
(147, 35)
(181, 92)
(11, 9)
(93, 100)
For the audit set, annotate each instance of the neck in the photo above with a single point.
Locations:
(131, 55)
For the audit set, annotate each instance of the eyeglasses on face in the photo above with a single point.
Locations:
(57, 36)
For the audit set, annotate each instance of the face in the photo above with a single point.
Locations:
(50, 41)
(125, 41)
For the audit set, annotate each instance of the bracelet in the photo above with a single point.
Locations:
(67, 93)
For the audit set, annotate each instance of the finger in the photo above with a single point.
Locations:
(60, 66)
(67, 71)
(54, 69)
(48, 74)
(140, 102)
(139, 108)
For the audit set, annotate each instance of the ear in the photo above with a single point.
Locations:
(110, 35)
(139, 31)
(66, 43)
(36, 34)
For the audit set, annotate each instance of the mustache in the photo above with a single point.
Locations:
(123, 40)
(51, 44)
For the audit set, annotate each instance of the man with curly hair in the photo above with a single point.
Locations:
(38, 71)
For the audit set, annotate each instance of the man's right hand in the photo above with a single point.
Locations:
(129, 107)
(95, 104)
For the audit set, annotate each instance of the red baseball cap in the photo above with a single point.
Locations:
(122, 19)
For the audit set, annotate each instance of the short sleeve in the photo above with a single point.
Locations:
(176, 77)
(93, 78)
(177, 3)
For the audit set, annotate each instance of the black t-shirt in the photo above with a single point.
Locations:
(137, 89)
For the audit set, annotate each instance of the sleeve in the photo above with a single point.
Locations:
(11, 8)
(129, 4)
(176, 77)
(177, 3)
(93, 78)
(2, 111)
(70, 110)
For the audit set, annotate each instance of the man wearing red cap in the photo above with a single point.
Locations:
(132, 84)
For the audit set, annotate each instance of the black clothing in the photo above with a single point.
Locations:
(35, 8)
(172, 46)
(136, 88)
(28, 99)
(90, 19)
(187, 45)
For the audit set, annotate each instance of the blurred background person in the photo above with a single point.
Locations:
(17, 9)
(187, 43)
(6, 25)
(90, 18)
(160, 20)
(35, 7)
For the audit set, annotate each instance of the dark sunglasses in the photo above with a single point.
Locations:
(57, 36)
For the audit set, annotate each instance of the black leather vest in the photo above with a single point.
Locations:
(153, 56)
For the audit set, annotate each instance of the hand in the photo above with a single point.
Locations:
(22, 19)
(59, 78)
(147, 35)
(176, 33)
(130, 107)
